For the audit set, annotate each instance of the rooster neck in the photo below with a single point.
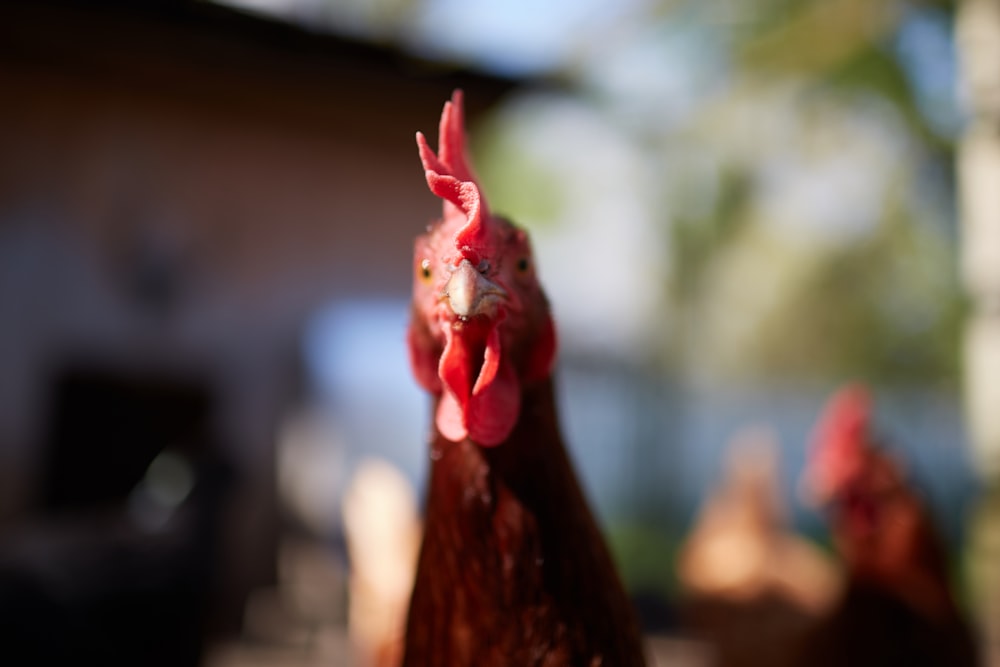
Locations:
(526, 484)
(531, 469)
(512, 558)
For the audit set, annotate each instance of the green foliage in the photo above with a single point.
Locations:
(645, 556)
(874, 69)
(872, 313)
(519, 187)
(886, 307)
(809, 38)
(812, 99)
(695, 240)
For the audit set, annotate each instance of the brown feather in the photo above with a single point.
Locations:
(513, 568)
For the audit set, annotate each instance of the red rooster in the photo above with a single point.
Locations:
(513, 569)
(897, 607)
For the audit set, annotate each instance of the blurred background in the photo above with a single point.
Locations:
(206, 220)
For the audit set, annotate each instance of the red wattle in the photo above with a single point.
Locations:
(486, 410)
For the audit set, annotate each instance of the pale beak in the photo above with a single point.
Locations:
(470, 293)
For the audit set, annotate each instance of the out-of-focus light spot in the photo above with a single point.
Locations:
(169, 479)
(167, 483)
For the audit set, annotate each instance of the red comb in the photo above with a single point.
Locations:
(450, 177)
(839, 440)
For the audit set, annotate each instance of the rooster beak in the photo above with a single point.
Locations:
(470, 293)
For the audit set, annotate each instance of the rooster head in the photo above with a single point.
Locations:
(481, 328)
(840, 443)
(848, 467)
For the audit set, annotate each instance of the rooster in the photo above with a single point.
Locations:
(383, 535)
(513, 569)
(751, 586)
(897, 607)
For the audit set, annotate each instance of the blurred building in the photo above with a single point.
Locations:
(181, 186)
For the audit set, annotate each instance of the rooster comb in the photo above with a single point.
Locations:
(847, 415)
(840, 438)
(450, 177)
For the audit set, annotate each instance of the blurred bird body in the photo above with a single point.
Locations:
(513, 569)
(752, 587)
(383, 537)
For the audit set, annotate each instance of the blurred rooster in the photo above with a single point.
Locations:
(751, 586)
(513, 569)
(897, 607)
(383, 537)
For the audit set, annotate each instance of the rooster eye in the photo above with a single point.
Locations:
(523, 265)
(425, 270)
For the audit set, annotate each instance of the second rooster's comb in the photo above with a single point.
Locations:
(450, 177)
(839, 439)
